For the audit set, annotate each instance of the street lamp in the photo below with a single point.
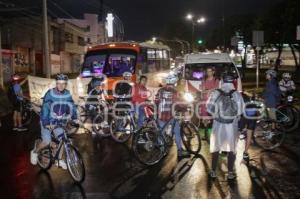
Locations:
(200, 20)
(189, 16)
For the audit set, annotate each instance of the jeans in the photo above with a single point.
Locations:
(46, 134)
(140, 114)
(176, 131)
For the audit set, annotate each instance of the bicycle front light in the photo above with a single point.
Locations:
(290, 98)
(188, 97)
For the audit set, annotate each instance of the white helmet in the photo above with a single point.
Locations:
(272, 73)
(286, 76)
(127, 74)
(171, 79)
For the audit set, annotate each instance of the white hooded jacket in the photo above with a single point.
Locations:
(224, 137)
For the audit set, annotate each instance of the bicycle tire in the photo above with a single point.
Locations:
(294, 117)
(97, 128)
(143, 149)
(266, 138)
(119, 136)
(70, 163)
(41, 153)
(191, 139)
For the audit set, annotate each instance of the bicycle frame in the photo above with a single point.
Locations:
(64, 141)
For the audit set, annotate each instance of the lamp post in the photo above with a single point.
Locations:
(194, 22)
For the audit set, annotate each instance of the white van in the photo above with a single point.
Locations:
(195, 69)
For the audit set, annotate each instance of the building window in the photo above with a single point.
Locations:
(69, 37)
(81, 41)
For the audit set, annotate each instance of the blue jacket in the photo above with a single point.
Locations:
(272, 94)
(57, 103)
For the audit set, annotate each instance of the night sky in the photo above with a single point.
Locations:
(146, 18)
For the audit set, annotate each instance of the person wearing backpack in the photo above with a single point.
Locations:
(16, 97)
(225, 105)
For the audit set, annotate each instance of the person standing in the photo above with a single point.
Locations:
(165, 98)
(272, 95)
(15, 95)
(209, 84)
(225, 105)
(139, 97)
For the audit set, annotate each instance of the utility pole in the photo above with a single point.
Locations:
(46, 41)
(1, 65)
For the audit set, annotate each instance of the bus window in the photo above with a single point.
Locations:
(119, 63)
(196, 72)
(93, 65)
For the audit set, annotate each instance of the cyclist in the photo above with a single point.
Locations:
(225, 105)
(165, 98)
(15, 95)
(95, 94)
(92, 85)
(247, 123)
(287, 85)
(57, 103)
(123, 88)
(140, 95)
(272, 95)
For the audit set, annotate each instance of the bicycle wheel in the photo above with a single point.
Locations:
(75, 164)
(190, 137)
(45, 158)
(268, 138)
(100, 126)
(149, 146)
(120, 130)
(291, 122)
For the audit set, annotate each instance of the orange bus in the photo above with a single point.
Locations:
(113, 59)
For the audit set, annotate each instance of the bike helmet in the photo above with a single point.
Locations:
(228, 78)
(61, 77)
(127, 74)
(286, 76)
(171, 79)
(272, 73)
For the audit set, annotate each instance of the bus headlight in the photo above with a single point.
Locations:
(188, 97)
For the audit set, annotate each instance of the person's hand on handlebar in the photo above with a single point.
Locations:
(50, 127)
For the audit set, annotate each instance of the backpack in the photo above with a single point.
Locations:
(227, 108)
(11, 94)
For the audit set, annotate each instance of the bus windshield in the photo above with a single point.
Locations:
(197, 72)
(110, 62)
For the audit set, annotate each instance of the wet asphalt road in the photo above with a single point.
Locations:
(113, 172)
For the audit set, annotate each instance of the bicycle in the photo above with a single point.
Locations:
(53, 152)
(124, 124)
(97, 116)
(144, 142)
(264, 136)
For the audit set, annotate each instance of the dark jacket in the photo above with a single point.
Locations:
(272, 94)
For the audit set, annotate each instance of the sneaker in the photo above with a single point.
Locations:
(231, 175)
(212, 174)
(22, 129)
(15, 129)
(62, 164)
(246, 156)
(183, 153)
(33, 157)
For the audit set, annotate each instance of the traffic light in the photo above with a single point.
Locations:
(200, 41)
